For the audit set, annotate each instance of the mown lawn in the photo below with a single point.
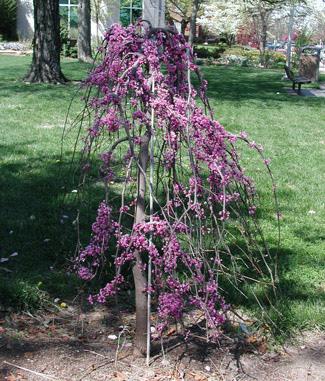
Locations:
(36, 221)
(37, 216)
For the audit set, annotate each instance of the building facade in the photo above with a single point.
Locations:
(104, 14)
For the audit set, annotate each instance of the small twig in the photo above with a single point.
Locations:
(6, 270)
(118, 343)
(154, 358)
(93, 368)
(217, 370)
(95, 353)
(48, 377)
(132, 365)
(239, 316)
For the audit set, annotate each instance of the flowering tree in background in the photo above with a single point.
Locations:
(183, 194)
(222, 18)
(310, 18)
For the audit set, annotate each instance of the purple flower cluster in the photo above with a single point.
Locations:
(89, 258)
(170, 305)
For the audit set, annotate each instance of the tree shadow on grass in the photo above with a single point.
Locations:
(46, 91)
(38, 212)
(37, 221)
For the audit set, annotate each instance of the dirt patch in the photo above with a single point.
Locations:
(70, 346)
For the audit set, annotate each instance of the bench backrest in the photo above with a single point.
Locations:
(289, 73)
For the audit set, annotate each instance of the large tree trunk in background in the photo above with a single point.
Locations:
(195, 9)
(140, 280)
(46, 43)
(263, 37)
(84, 31)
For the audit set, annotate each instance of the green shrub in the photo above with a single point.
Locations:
(23, 295)
(68, 48)
(274, 59)
(234, 60)
(209, 61)
(236, 50)
(240, 56)
(70, 51)
(212, 52)
(253, 56)
(8, 18)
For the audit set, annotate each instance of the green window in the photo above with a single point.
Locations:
(69, 16)
(130, 11)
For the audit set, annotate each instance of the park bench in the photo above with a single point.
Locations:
(296, 80)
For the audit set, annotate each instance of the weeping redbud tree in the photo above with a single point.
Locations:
(182, 185)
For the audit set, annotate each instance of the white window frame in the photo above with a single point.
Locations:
(131, 8)
(69, 5)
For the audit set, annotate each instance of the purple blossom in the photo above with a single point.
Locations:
(85, 274)
(170, 306)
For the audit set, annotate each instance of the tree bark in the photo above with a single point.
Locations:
(96, 9)
(263, 40)
(183, 26)
(46, 44)
(195, 9)
(84, 31)
(140, 280)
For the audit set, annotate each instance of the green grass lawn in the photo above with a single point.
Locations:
(292, 131)
(36, 218)
(35, 221)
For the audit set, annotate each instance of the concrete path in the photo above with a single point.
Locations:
(310, 92)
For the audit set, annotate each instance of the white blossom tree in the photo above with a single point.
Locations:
(313, 20)
(222, 18)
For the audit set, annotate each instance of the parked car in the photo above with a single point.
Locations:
(272, 46)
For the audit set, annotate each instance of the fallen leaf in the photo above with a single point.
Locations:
(171, 331)
(11, 377)
(119, 376)
(262, 348)
(198, 376)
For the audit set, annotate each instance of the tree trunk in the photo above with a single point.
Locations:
(263, 37)
(46, 43)
(84, 31)
(195, 9)
(96, 9)
(290, 26)
(140, 280)
(183, 26)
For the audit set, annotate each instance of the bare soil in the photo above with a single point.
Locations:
(67, 345)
